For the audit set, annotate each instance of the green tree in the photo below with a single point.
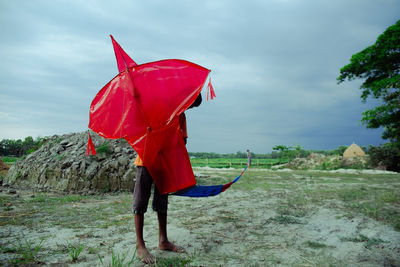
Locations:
(379, 66)
(283, 151)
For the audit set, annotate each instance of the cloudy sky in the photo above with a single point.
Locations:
(274, 65)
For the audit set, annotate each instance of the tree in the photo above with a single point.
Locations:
(379, 66)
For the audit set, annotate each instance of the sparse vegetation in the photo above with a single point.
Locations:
(27, 251)
(284, 219)
(262, 217)
(120, 260)
(315, 245)
(74, 251)
(104, 148)
(368, 242)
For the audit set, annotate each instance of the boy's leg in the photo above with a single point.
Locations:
(160, 205)
(164, 243)
(141, 250)
(141, 197)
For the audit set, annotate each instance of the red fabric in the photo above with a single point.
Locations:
(210, 90)
(142, 105)
(90, 150)
(123, 60)
(226, 186)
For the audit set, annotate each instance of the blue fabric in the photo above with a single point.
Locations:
(205, 190)
(200, 191)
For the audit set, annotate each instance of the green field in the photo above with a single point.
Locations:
(234, 162)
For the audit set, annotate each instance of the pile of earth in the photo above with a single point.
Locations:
(3, 166)
(61, 164)
(322, 162)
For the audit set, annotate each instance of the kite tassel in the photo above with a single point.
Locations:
(210, 90)
(90, 150)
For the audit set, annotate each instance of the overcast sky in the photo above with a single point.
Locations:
(274, 65)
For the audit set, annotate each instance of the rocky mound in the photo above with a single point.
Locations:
(61, 164)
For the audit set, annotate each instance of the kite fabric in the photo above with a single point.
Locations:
(209, 190)
(142, 104)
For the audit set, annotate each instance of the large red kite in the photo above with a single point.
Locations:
(142, 104)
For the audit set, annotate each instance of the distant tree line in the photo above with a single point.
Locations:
(19, 148)
(279, 152)
(386, 155)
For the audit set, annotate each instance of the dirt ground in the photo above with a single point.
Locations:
(268, 218)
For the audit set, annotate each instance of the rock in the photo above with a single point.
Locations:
(12, 191)
(128, 150)
(60, 164)
(123, 161)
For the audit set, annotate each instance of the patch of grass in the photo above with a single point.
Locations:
(74, 251)
(120, 260)
(27, 251)
(9, 160)
(315, 245)
(397, 225)
(104, 148)
(368, 242)
(295, 212)
(171, 262)
(352, 194)
(283, 219)
(9, 250)
(40, 198)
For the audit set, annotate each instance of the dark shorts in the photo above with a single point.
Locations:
(142, 192)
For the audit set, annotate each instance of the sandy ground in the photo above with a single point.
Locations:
(245, 226)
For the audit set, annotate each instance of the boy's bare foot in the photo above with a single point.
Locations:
(171, 247)
(143, 254)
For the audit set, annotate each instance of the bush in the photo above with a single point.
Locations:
(387, 155)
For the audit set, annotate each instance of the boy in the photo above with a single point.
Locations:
(141, 197)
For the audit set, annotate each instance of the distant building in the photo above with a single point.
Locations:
(353, 151)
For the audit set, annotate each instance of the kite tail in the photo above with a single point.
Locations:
(90, 150)
(209, 190)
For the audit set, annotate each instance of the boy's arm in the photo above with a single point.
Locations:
(182, 124)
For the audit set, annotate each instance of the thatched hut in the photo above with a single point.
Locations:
(353, 151)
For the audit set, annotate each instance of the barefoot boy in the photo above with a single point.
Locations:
(141, 196)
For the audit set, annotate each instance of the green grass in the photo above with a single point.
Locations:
(368, 242)
(171, 262)
(284, 219)
(42, 197)
(120, 260)
(315, 245)
(27, 251)
(233, 162)
(104, 148)
(74, 251)
(9, 160)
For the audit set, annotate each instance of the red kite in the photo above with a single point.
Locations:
(142, 104)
